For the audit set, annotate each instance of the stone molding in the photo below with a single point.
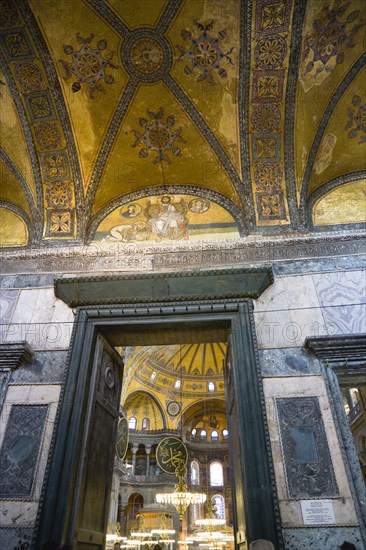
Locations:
(15, 354)
(346, 353)
(199, 254)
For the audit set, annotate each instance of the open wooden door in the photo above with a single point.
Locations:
(89, 515)
(236, 459)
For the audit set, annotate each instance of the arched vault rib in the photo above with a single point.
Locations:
(61, 110)
(19, 212)
(290, 107)
(330, 186)
(37, 210)
(345, 83)
(205, 131)
(21, 180)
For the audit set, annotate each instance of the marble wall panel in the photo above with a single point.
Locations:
(41, 319)
(46, 367)
(288, 362)
(15, 538)
(306, 386)
(23, 512)
(8, 300)
(341, 288)
(347, 319)
(322, 538)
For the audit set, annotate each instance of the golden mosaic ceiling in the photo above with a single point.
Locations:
(158, 120)
(172, 379)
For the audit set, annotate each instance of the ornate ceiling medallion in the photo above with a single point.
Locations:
(146, 55)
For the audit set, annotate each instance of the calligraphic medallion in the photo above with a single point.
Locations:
(171, 454)
(122, 437)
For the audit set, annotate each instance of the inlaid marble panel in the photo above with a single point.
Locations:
(20, 450)
(341, 287)
(349, 319)
(321, 538)
(8, 299)
(308, 464)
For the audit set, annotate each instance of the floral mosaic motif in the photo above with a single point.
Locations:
(331, 32)
(272, 16)
(268, 177)
(266, 148)
(270, 52)
(40, 106)
(267, 86)
(8, 14)
(266, 118)
(356, 123)
(60, 222)
(158, 136)
(58, 195)
(29, 75)
(205, 52)
(17, 45)
(88, 65)
(48, 135)
(270, 206)
(146, 55)
(55, 165)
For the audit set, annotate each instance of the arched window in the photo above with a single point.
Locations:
(216, 474)
(203, 434)
(195, 473)
(145, 423)
(152, 376)
(225, 433)
(132, 423)
(211, 386)
(214, 435)
(194, 432)
(177, 385)
(219, 505)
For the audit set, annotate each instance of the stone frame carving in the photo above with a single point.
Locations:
(311, 475)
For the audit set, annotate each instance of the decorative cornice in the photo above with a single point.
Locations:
(156, 257)
(14, 355)
(344, 351)
(165, 287)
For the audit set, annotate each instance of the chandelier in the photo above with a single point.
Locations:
(181, 498)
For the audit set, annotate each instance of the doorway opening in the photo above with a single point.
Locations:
(172, 390)
(79, 485)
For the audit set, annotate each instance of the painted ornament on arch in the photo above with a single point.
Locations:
(205, 52)
(88, 65)
(332, 32)
(356, 123)
(158, 136)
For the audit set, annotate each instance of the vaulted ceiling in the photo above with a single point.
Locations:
(180, 119)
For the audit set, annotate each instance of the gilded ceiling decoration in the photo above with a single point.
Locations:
(175, 380)
(255, 108)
